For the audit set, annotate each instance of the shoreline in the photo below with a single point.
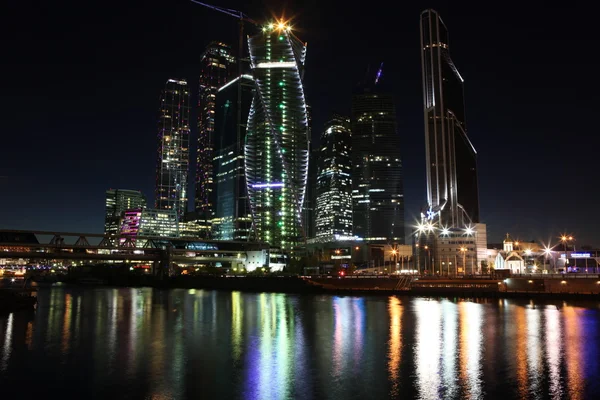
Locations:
(297, 285)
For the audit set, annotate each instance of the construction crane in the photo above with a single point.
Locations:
(242, 18)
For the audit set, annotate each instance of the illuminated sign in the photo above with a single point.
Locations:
(577, 255)
(339, 257)
(344, 238)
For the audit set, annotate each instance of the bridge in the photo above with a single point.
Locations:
(157, 251)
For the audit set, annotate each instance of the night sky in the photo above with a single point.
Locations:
(81, 85)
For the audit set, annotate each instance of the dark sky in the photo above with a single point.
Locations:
(81, 82)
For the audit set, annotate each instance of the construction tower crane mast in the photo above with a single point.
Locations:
(240, 56)
(234, 13)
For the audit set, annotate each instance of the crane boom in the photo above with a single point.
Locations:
(234, 13)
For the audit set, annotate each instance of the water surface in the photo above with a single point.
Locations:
(195, 344)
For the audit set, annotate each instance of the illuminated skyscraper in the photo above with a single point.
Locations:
(377, 184)
(117, 201)
(233, 219)
(173, 148)
(334, 182)
(277, 142)
(452, 193)
(450, 229)
(217, 66)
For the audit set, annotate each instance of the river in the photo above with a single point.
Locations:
(115, 343)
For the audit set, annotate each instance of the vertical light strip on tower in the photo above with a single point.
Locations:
(277, 137)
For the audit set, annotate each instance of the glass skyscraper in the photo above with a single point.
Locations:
(232, 219)
(334, 182)
(173, 148)
(117, 201)
(277, 142)
(217, 65)
(377, 182)
(452, 192)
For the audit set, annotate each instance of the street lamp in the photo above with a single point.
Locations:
(564, 239)
(464, 252)
(426, 248)
(418, 260)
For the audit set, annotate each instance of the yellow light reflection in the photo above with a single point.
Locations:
(521, 350)
(471, 337)
(573, 353)
(66, 331)
(427, 352)
(236, 324)
(395, 343)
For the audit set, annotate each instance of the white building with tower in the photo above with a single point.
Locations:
(509, 258)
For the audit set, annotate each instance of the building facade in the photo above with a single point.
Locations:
(173, 148)
(149, 222)
(217, 65)
(277, 143)
(232, 218)
(334, 180)
(117, 201)
(452, 192)
(377, 182)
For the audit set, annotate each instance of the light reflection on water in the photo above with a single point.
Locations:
(152, 344)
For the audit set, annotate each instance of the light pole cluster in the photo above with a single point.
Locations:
(430, 228)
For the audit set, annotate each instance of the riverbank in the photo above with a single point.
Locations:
(514, 287)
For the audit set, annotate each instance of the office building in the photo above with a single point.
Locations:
(149, 222)
(117, 201)
(217, 66)
(450, 233)
(377, 182)
(173, 148)
(277, 143)
(334, 182)
(452, 193)
(232, 218)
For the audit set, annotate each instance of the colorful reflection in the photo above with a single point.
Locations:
(206, 344)
(428, 337)
(348, 339)
(395, 343)
(271, 359)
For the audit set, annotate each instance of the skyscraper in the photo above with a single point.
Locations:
(117, 201)
(450, 229)
(277, 142)
(217, 65)
(334, 182)
(173, 147)
(452, 192)
(233, 219)
(377, 184)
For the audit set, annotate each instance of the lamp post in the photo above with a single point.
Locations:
(464, 252)
(394, 252)
(564, 239)
(418, 260)
(426, 248)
